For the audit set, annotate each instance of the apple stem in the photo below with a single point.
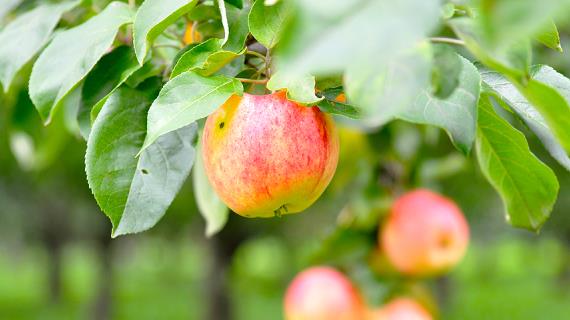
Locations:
(281, 209)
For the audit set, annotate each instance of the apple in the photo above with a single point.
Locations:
(400, 309)
(424, 234)
(266, 156)
(322, 293)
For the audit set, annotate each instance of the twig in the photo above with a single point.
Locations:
(447, 40)
(255, 81)
(255, 53)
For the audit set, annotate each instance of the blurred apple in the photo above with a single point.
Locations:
(424, 234)
(400, 309)
(322, 293)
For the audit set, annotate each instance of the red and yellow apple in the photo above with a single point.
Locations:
(400, 309)
(322, 293)
(424, 234)
(265, 155)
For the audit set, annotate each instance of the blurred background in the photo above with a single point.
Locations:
(57, 260)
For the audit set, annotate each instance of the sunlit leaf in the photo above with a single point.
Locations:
(549, 36)
(152, 18)
(509, 94)
(26, 35)
(300, 89)
(527, 186)
(266, 22)
(205, 58)
(71, 55)
(185, 99)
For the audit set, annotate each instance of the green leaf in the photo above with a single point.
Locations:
(185, 99)
(26, 35)
(457, 114)
(300, 88)
(513, 60)
(325, 37)
(152, 18)
(527, 186)
(238, 28)
(508, 93)
(214, 211)
(330, 104)
(445, 71)
(7, 6)
(549, 36)
(383, 89)
(551, 104)
(205, 58)
(71, 55)
(107, 75)
(506, 22)
(135, 192)
(235, 3)
(266, 22)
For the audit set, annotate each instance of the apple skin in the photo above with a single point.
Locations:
(400, 309)
(424, 234)
(265, 155)
(322, 293)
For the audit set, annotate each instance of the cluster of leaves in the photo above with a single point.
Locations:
(137, 78)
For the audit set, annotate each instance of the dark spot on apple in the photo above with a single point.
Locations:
(222, 124)
(144, 171)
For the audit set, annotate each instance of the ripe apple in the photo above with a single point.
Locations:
(266, 156)
(424, 234)
(400, 309)
(322, 293)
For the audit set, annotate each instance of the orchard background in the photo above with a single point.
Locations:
(469, 99)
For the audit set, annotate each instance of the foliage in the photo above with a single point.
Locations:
(124, 78)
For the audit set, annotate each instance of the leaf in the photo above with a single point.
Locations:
(266, 22)
(235, 3)
(71, 55)
(551, 104)
(185, 99)
(326, 37)
(214, 211)
(300, 88)
(550, 37)
(135, 192)
(224, 18)
(506, 22)
(205, 58)
(26, 35)
(7, 6)
(238, 28)
(107, 75)
(333, 105)
(527, 186)
(508, 93)
(513, 60)
(445, 71)
(457, 114)
(152, 18)
(382, 90)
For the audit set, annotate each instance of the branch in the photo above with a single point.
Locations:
(447, 40)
